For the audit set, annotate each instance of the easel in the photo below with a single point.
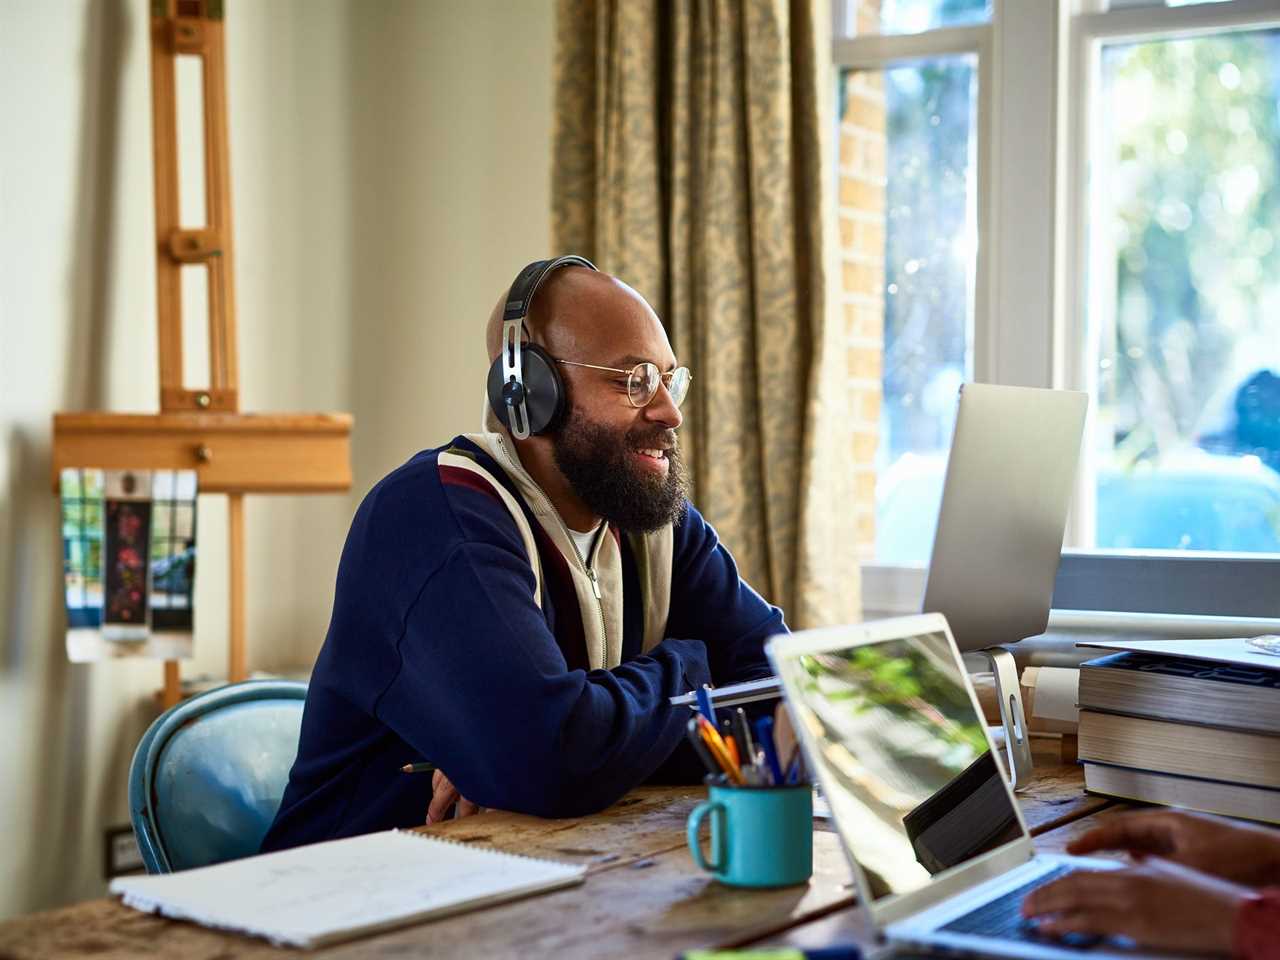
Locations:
(233, 453)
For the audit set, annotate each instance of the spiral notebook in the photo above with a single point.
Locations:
(342, 889)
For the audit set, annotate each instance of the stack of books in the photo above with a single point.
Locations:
(1180, 732)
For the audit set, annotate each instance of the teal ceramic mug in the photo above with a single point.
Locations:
(760, 836)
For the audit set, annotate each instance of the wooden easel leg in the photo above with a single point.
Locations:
(172, 684)
(237, 668)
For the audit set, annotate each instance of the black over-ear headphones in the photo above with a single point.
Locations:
(525, 389)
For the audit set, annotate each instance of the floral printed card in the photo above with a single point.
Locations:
(126, 541)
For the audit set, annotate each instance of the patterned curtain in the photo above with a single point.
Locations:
(693, 159)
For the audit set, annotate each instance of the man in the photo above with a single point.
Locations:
(519, 611)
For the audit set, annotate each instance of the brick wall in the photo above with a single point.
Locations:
(862, 224)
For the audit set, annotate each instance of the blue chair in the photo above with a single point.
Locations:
(207, 777)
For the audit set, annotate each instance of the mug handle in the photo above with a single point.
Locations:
(695, 821)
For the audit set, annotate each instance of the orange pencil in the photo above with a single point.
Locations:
(715, 743)
(733, 751)
(721, 752)
(730, 741)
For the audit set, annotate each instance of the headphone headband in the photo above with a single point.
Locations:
(530, 279)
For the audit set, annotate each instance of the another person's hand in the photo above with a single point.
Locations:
(1158, 904)
(443, 796)
(1241, 853)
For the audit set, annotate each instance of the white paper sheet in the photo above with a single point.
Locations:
(1055, 697)
(343, 888)
(1224, 650)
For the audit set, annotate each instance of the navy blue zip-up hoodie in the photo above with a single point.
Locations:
(437, 650)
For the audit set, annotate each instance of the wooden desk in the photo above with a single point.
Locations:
(643, 896)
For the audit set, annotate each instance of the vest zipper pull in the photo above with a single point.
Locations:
(595, 584)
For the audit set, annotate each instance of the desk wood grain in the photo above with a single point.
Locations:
(643, 896)
(1056, 797)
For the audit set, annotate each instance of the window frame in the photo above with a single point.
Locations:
(1030, 304)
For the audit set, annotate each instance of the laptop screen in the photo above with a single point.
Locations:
(904, 758)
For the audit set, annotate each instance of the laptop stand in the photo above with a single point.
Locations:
(1009, 695)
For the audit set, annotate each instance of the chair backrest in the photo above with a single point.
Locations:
(208, 775)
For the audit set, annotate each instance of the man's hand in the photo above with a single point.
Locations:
(443, 796)
(1158, 904)
(1222, 848)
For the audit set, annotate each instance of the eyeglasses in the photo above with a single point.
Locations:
(643, 379)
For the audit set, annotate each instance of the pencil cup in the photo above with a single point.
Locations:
(760, 836)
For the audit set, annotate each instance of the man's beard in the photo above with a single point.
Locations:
(599, 466)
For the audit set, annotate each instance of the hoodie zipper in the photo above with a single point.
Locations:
(582, 564)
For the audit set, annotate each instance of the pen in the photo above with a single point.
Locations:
(730, 741)
(704, 703)
(742, 733)
(700, 748)
(764, 734)
(419, 767)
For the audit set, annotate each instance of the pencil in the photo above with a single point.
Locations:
(700, 748)
(418, 768)
(733, 750)
(764, 737)
(711, 737)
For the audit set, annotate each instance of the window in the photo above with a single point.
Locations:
(1088, 195)
(912, 16)
(907, 155)
(908, 169)
(1185, 293)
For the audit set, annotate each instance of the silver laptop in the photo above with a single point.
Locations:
(942, 858)
(1010, 476)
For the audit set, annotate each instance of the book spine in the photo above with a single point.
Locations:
(1177, 748)
(1208, 796)
(1136, 693)
(1174, 699)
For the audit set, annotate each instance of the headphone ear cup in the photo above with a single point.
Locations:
(544, 392)
(544, 389)
(493, 386)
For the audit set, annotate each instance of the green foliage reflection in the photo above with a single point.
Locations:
(906, 682)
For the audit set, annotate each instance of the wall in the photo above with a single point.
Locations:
(862, 230)
(390, 169)
(450, 154)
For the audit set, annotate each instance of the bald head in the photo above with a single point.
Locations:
(571, 304)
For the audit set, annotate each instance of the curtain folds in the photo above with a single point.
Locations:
(693, 159)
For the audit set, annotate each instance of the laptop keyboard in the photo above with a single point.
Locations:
(1002, 918)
